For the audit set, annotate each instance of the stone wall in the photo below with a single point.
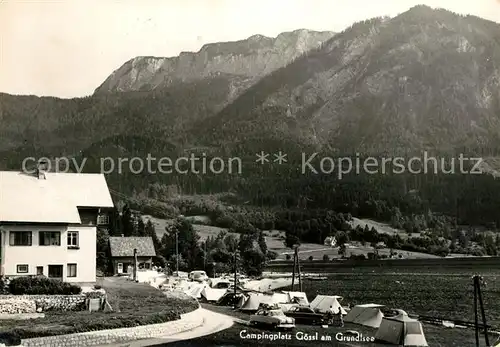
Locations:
(41, 303)
(187, 322)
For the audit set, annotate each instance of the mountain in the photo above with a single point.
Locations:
(252, 58)
(424, 80)
(213, 77)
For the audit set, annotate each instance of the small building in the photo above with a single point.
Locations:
(330, 241)
(122, 253)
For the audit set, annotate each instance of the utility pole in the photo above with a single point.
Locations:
(177, 251)
(478, 297)
(293, 270)
(235, 274)
(298, 268)
(135, 264)
(205, 256)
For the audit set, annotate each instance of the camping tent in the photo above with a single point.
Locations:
(280, 298)
(211, 294)
(254, 300)
(401, 330)
(298, 297)
(326, 303)
(368, 315)
(195, 290)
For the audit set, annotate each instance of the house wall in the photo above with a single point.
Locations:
(36, 255)
(129, 260)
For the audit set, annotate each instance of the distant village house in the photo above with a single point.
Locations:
(330, 241)
(122, 253)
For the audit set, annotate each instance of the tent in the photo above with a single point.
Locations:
(369, 315)
(195, 290)
(401, 330)
(230, 299)
(256, 299)
(326, 303)
(280, 298)
(298, 297)
(211, 294)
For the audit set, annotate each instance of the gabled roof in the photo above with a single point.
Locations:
(124, 246)
(55, 199)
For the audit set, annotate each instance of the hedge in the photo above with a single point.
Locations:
(42, 286)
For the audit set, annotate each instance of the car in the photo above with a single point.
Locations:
(306, 315)
(198, 276)
(272, 318)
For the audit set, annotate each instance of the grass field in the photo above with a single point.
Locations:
(438, 295)
(133, 304)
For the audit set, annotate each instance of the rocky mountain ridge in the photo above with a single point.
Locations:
(426, 79)
(252, 58)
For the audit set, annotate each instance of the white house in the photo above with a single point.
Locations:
(330, 241)
(48, 223)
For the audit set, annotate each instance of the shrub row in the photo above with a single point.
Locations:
(42, 286)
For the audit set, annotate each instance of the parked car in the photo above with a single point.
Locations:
(272, 318)
(306, 315)
(198, 276)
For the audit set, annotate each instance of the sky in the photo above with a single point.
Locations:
(68, 48)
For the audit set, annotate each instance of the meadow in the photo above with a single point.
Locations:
(441, 295)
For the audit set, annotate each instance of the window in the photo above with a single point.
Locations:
(20, 238)
(22, 269)
(103, 219)
(55, 271)
(71, 270)
(39, 270)
(50, 238)
(72, 239)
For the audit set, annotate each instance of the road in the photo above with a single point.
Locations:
(213, 323)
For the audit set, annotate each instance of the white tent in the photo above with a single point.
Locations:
(211, 294)
(301, 297)
(326, 303)
(195, 290)
(268, 284)
(280, 298)
(401, 330)
(254, 300)
(368, 315)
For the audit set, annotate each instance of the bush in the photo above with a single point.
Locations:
(311, 258)
(326, 257)
(288, 257)
(271, 255)
(42, 286)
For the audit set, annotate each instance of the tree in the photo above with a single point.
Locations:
(141, 227)
(188, 240)
(103, 262)
(150, 230)
(262, 242)
(342, 250)
(291, 239)
(127, 222)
